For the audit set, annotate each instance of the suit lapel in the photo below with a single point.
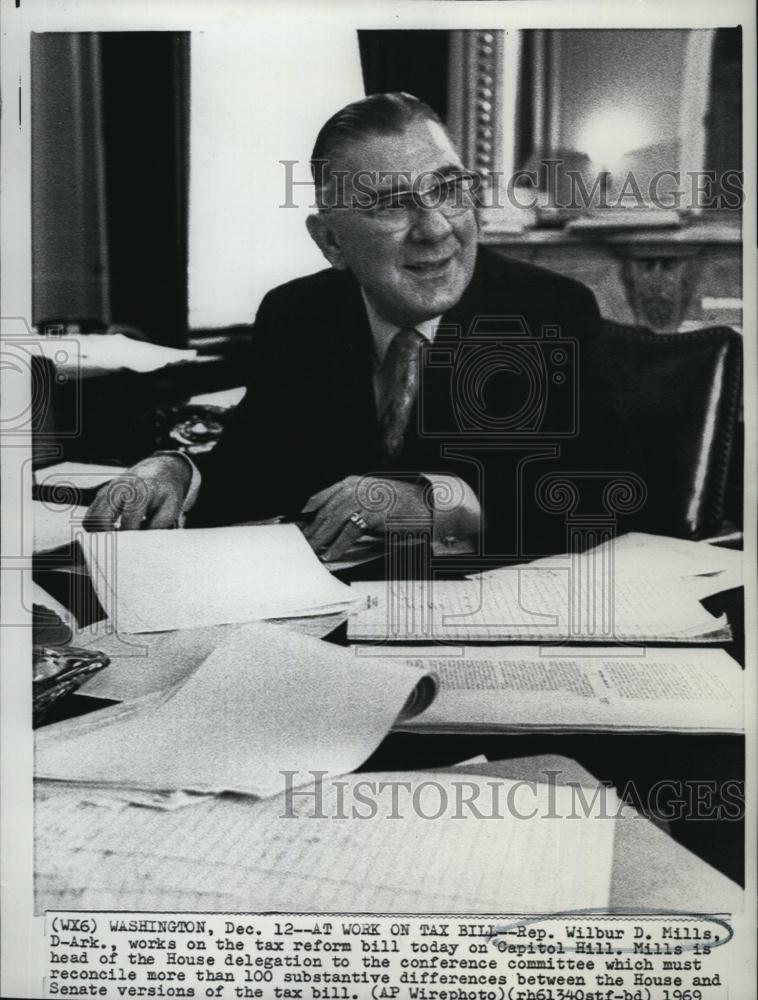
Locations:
(350, 360)
(467, 306)
(438, 404)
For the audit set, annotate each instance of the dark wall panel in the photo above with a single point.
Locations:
(69, 251)
(145, 123)
(413, 61)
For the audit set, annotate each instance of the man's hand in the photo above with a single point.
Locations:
(149, 495)
(356, 506)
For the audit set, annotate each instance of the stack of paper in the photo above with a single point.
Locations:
(521, 688)
(56, 526)
(149, 581)
(334, 848)
(635, 589)
(640, 588)
(532, 605)
(264, 702)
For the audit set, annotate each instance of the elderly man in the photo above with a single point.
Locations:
(347, 404)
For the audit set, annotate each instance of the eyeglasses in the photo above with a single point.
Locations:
(452, 194)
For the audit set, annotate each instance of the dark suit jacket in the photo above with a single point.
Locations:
(499, 410)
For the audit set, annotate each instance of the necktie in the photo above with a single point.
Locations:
(400, 370)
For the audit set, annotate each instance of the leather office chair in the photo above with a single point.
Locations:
(680, 395)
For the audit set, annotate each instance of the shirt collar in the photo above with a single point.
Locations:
(383, 332)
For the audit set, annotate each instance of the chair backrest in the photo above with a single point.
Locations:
(680, 395)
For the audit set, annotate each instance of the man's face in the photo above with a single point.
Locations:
(413, 267)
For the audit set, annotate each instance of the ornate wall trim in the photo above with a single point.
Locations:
(476, 98)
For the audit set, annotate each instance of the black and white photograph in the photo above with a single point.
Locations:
(378, 492)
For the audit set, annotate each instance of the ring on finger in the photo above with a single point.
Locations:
(359, 520)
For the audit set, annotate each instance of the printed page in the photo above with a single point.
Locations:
(321, 849)
(518, 687)
(264, 702)
(532, 603)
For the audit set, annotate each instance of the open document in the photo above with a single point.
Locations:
(634, 588)
(149, 581)
(494, 846)
(534, 603)
(263, 702)
(512, 688)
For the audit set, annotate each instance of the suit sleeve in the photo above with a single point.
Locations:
(249, 474)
